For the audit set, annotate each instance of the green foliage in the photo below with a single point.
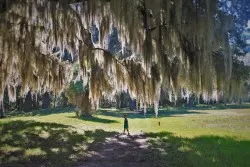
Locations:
(77, 87)
(240, 71)
(238, 34)
(76, 68)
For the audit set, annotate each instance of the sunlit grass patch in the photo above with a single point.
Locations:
(34, 152)
(6, 149)
(185, 148)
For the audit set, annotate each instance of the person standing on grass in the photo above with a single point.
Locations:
(125, 124)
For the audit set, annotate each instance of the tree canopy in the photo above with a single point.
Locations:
(175, 44)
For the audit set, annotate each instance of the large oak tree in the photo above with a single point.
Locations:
(174, 45)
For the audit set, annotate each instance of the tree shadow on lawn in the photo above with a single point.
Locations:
(30, 143)
(41, 112)
(95, 119)
(219, 107)
(149, 114)
(171, 111)
(170, 150)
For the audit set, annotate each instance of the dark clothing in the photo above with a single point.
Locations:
(125, 123)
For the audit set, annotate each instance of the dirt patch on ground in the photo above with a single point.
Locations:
(122, 151)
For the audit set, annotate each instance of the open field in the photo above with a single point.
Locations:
(202, 136)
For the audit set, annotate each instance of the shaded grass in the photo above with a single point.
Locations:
(36, 143)
(150, 113)
(171, 150)
(40, 112)
(95, 119)
(219, 106)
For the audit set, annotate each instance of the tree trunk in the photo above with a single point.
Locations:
(137, 105)
(118, 101)
(28, 103)
(132, 104)
(37, 101)
(55, 101)
(1, 110)
(84, 104)
(46, 100)
(34, 102)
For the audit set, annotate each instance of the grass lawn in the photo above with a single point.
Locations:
(202, 136)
